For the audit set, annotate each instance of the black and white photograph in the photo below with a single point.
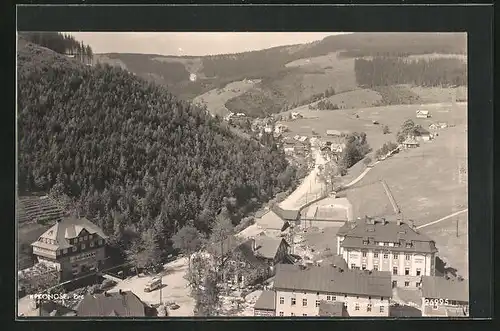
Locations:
(242, 174)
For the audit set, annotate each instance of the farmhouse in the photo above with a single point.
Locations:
(277, 218)
(393, 246)
(423, 114)
(410, 143)
(442, 297)
(115, 304)
(300, 290)
(422, 134)
(336, 133)
(74, 246)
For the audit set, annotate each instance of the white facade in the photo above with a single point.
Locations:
(293, 303)
(406, 268)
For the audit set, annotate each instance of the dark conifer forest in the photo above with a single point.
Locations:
(132, 156)
(384, 71)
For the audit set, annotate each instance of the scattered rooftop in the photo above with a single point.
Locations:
(267, 247)
(266, 301)
(123, 304)
(333, 280)
(442, 288)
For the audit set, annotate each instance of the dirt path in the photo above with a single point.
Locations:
(443, 218)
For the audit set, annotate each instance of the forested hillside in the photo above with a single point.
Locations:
(218, 70)
(383, 71)
(133, 156)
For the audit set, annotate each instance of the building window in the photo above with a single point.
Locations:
(281, 313)
(386, 256)
(417, 284)
(304, 314)
(81, 239)
(375, 267)
(58, 252)
(419, 271)
(407, 257)
(293, 301)
(369, 307)
(363, 266)
(282, 300)
(334, 298)
(365, 242)
(100, 241)
(375, 255)
(65, 251)
(83, 246)
(408, 245)
(317, 303)
(407, 284)
(381, 309)
(395, 270)
(386, 244)
(407, 271)
(395, 256)
(328, 298)
(91, 236)
(364, 253)
(91, 244)
(74, 249)
(304, 302)
(292, 314)
(86, 238)
(353, 266)
(356, 307)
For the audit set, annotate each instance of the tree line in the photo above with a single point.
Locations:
(60, 43)
(132, 158)
(384, 71)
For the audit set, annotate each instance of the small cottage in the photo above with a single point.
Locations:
(423, 114)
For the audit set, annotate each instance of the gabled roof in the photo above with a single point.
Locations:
(441, 288)
(333, 280)
(266, 301)
(267, 247)
(287, 215)
(124, 304)
(68, 228)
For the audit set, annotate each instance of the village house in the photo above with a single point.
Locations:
(296, 115)
(300, 290)
(73, 245)
(443, 297)
(277, 218)
(280, 128)
(393, 246)
(114, 304)
(410, 142)
(422, 114)
(250, 260)
(422, 134)
(336, 133)
(52, 309)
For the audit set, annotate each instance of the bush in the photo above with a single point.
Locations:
(367, 160)
(386, 129)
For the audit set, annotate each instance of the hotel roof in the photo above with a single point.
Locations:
(333, 280)
(68, 228)
(368, 232)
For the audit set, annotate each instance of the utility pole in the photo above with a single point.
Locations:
(457, 226)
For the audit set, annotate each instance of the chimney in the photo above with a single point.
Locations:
(398, 222)
(121, 292)
(253, 244)
(106, 294)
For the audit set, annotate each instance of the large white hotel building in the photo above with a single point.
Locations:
(393, 246)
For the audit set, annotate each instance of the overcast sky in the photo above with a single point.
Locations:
(192, 43)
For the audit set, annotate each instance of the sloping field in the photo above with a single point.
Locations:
(332, 71)
(433, 56)
(436, 94)
(361, 98)
(369, 199)
(428, 182)
(216, 99)
(453, 250)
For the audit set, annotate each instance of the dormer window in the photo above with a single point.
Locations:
(81, 239)
(408, 245)
(365, 242)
